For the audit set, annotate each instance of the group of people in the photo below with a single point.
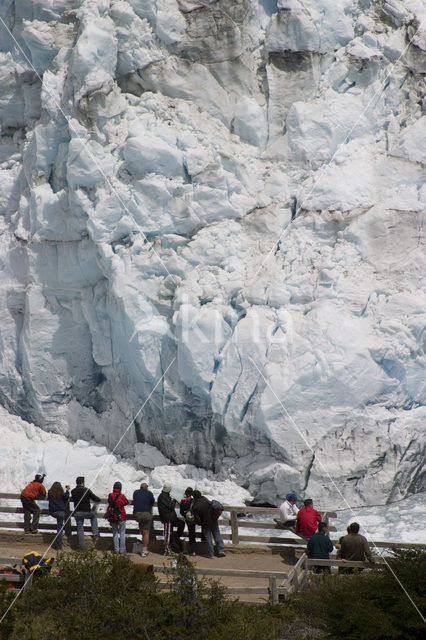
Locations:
(307, 523)
(195, 509)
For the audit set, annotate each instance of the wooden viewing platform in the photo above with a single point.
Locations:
(259, 566)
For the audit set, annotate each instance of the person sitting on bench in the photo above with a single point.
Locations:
(288, 512)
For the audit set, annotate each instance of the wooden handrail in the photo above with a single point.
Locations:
(234, 517)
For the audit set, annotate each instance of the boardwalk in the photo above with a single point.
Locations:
(13, 545)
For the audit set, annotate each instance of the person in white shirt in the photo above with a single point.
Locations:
(288, 512)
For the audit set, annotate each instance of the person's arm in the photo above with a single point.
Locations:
(42, 492)
(125, 501)
(92, 496)
(318, 516)
(298, 523)
(329, 545)
(367, 551)
(309, 548)
(283, 512)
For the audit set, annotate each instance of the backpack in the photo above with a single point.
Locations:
(217, 509)
(112, 513)
(190, 517)
(34, 563)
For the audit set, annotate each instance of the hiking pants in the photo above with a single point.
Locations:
(30, 508)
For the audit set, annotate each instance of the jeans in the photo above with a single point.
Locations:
(119, 535)
(30, 508)
(211, 534)
(80, 516)
(60, 517)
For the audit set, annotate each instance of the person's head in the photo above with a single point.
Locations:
(144, 485)
(38, 477)
(196, 494)
(308, 502)
(117, 486)
(188, 491)
(353, 527)
(56, 491)
(291, 497)
(79, 481)
(322, 527)
(167, 487)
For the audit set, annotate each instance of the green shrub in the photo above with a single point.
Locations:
(87, 597)
(10, 604)
(387, 603)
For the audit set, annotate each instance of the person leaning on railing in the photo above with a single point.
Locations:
(81, 497)
(58, 499)
(32, 492)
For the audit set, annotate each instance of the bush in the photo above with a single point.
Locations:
(89, 597)
(387, 603)
(10, 604)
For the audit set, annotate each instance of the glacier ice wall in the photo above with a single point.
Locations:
(212, 235)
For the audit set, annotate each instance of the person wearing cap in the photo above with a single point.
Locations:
(119, 526)
(166, 510)
(81, 496)
(143, 501)
(288, 512)
(32, 492)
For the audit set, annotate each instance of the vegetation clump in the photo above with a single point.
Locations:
(89, 597)
(386, 603)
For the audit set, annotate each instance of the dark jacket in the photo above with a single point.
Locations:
(202, 510)
(355, 547)
(185, 505)
(319, 546)
(58, 504)
(120, 500)
(143, 500)
(81, 496)
(166, 508)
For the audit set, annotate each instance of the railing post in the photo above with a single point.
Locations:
(68, 523)
(273, 593)
(234, 528)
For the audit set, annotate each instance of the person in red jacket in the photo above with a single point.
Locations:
(32, 492)
(307, 519)
(119, 526)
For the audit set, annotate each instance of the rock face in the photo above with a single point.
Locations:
(212, 235)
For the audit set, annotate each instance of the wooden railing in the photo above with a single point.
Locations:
(270, 591)
(300, 572)
(233, 524)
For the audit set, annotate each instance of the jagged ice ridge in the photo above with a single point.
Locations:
(215, 211)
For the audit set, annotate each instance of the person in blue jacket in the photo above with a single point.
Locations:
(143, 501)
(320, 546)
(58, 499)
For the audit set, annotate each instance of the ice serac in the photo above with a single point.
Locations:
(212, 236)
